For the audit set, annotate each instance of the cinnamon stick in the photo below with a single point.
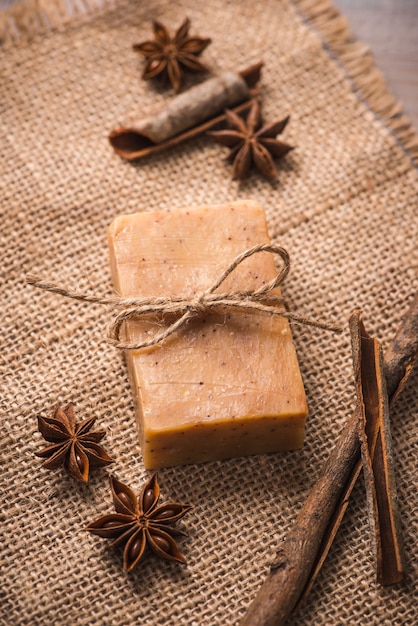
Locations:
(187, 115)
(377, 461)
(400, 357)
(307, 544)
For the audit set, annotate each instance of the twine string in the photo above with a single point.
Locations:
(187, 308)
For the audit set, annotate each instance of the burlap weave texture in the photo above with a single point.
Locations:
(345, 207)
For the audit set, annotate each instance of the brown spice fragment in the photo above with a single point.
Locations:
(376, 452)
(402, 354)
(308, 542)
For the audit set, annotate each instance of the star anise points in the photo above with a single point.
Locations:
(139, 523)
(168, 57)
(72, 445)
(250, 142)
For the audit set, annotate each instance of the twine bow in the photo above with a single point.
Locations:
(188, 308)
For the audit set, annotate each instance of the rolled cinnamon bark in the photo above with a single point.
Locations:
(186, 115)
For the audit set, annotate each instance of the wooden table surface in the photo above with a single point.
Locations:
(390, 29)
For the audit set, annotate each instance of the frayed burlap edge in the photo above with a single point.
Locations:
(32, 17)
(358, 62)
(28, 18)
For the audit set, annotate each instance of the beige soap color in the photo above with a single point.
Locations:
(228, 384)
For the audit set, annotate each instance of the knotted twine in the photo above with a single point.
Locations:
(194, 306)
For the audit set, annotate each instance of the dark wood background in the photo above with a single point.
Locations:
(390, 29)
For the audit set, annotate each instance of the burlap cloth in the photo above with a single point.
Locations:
(344, 205)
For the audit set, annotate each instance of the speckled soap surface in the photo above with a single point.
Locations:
(228, 384)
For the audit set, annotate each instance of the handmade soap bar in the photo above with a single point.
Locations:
(228, 383)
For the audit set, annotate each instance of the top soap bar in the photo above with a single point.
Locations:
(228, 384)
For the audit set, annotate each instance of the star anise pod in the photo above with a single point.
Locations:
(251, 143)
(169, 56)
(139, 522)
(73, 445)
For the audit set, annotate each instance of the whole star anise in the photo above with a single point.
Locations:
(73, 445)
(139, 522)
(168, 56)
(251, 144)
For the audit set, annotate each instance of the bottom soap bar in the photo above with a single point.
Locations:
(228, 384)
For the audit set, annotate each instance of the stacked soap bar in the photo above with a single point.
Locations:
(228, 384)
